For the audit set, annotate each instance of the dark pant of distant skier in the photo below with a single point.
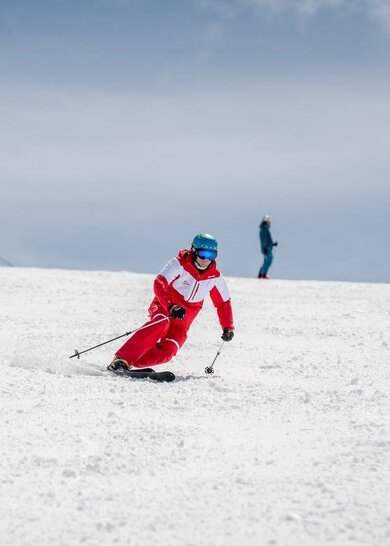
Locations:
(268, 257)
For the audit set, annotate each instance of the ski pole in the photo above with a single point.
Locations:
(210, 369)
(78, 353)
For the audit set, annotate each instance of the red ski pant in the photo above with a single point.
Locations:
(156, 343)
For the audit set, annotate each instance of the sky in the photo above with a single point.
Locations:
(128, 126)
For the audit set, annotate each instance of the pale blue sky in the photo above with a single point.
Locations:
(130, 125)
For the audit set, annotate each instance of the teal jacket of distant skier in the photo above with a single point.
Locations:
(265, 238)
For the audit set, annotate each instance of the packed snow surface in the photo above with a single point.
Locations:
(287, 444)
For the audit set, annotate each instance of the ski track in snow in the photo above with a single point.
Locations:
(287, 444)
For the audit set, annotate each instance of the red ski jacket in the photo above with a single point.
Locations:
(181, 283)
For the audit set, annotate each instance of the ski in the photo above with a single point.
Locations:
(145, 373)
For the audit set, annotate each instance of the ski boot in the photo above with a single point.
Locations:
(121, 367)
(118, 365)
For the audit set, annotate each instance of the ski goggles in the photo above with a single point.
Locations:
(206, 254)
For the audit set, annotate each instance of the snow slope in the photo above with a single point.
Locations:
(288, 444)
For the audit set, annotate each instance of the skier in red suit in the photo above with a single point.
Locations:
(179, 289)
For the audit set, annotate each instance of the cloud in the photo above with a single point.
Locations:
(97, 172)
(380, 11)
(377, 10)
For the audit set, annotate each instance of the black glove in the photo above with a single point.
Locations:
(227, 335)
(265, 251)
(276, 243)
(177, 312)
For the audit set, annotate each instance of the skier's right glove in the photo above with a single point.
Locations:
(265, 251)
(276, 243)
(227, 335)
(177, 312)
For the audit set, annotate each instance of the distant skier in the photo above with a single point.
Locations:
(267, 245)
(179, 289)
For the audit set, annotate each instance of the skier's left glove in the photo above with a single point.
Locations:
(177, 312)
(227, 335)
(275, 243)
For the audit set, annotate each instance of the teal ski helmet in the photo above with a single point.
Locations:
(205, 246)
